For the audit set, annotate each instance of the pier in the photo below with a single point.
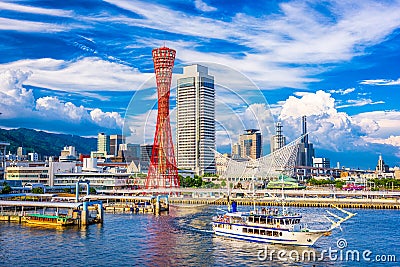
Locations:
(80, 212)
(133, 204)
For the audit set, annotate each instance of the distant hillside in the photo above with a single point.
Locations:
(45, 144)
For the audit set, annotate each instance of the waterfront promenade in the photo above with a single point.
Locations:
(264, 197)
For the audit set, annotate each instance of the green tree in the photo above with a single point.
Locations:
(6, 188)
(223, 183)
(93, 191)
(37, 190)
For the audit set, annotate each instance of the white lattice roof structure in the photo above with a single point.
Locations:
(265, 167)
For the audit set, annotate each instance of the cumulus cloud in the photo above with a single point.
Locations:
(385, 123)
(106, 119)
(391, 140)
(52, 107)
(328, 128)
(16, 102)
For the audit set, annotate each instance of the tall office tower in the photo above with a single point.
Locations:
(103, 143)
(278, 140)
(195, 120)
(381, 167)
(115, 141)
(306, 149)
(163, 172)
(145, 153)
(130, 152)
(250, 144)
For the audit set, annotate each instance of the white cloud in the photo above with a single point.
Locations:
(35, 10)
(53, 108)
(387, 123)
(342, 91)
(15, 100)
(391, 140)
(359, 103)
(202, 6)
(328, 128)
(300, 34)
(381, 82)
(18, 103)
(30, 26)
(106, 119)
(85, 74)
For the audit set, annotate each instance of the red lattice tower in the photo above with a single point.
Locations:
(163, 172)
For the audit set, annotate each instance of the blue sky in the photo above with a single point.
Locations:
(79, 66)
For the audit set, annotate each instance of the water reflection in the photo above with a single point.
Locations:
(181, 238)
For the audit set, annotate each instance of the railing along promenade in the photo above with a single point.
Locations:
(265, 197)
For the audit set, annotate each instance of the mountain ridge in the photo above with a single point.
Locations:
(45, 143)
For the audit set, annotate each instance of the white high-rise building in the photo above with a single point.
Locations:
(195, 127)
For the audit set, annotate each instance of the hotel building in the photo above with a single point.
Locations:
(195, 127)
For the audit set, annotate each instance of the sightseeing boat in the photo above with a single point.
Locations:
(272, 226)
(44, 219)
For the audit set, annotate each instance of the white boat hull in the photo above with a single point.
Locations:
(279, 236)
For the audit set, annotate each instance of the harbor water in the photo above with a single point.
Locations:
(184, 238)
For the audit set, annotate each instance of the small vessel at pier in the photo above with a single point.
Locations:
(272, 226)
(44, 219)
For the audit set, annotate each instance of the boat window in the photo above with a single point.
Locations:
(250, 230)
(256, 231)
(275, 233)
(262, 232)
(244, 230)
(269, 233)
(280, 233)
(263, 220)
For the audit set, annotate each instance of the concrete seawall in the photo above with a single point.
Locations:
(298, 202)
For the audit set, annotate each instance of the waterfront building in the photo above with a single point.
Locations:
(115, 141)
(278, 140)
(103, 143)
(250, 144)
(43, 173)
(195, 127)
(100, 181)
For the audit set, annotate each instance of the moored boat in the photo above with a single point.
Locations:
(44, 219)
